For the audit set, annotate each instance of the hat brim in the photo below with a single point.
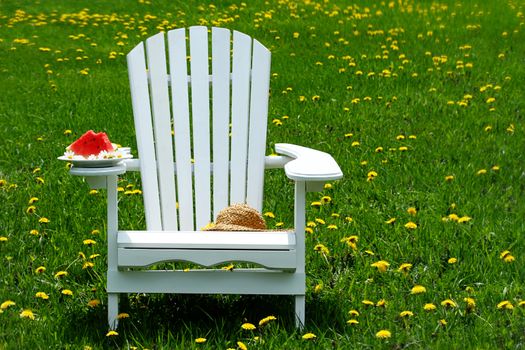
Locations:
(229, 227)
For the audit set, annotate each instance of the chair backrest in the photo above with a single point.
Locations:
(192, 165)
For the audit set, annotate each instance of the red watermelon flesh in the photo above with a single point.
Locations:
(91, 143)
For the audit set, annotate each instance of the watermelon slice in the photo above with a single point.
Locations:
(91, 143)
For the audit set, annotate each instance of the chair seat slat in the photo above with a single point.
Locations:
(271, 240)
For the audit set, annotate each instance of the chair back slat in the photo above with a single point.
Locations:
(155, 50)
(200, 108)
(242, 52)
(138, 79)
(260, 84)
(221, 117)
(181, 123)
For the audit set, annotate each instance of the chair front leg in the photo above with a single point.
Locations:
(299, 222)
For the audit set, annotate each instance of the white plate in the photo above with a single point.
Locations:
(95, 163)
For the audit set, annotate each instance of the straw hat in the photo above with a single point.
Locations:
(238, 217)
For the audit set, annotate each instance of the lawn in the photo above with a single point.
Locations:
(419, 246)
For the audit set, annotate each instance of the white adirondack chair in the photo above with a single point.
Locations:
(167, 92)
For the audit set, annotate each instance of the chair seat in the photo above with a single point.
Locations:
(272, 249)
(215, 240)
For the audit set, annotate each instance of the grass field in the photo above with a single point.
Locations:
(419, 246)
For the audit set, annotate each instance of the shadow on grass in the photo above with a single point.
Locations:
(170, 319)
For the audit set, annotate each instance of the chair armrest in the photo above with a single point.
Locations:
(308, 164)
(96, 177)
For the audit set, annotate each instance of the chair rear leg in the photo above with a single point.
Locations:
(113, 299)
(299, 311)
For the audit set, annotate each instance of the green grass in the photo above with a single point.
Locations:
(445, 61)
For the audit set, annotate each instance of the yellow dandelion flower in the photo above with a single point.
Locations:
(318, 288)
(429, 307)
(229, 267)
(40, 269)
(61, 274)
(471, 303)
(322, 249)
(379, 149)
(27, 314)
(521, 303)
(452, 261)
(381, 303)
(403, 148)
(448, 303)
(200, 340)
(87, 265)
(67, 132)
(7, 304)
(93, 303)
(442, 322)
(495, 168)
(505, 305)
(418, 289)
(320, 221)
(248, 326)
(406, 313)
(34, 232)
(89, 242)
(504, 254)
(353, 313)
(411, 225)
(42, 295)
(405, 267)
(381, 265)
(308, 230)
(481, 171)
(122, 315)
(266, 320)
(309, 336)
(449, 178)
(371, 174)
(509, 258)
(67, 292)
(95, 232)
(383, 334)
(316, 98)
(111, 334)
(43, 220)
(352, 322)
(453, 217)
(332, 227)
(464, 219)
(412, 211)
(33, 200)
(368, 302)
(390, 221)
(3, 239)
(241, 345)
